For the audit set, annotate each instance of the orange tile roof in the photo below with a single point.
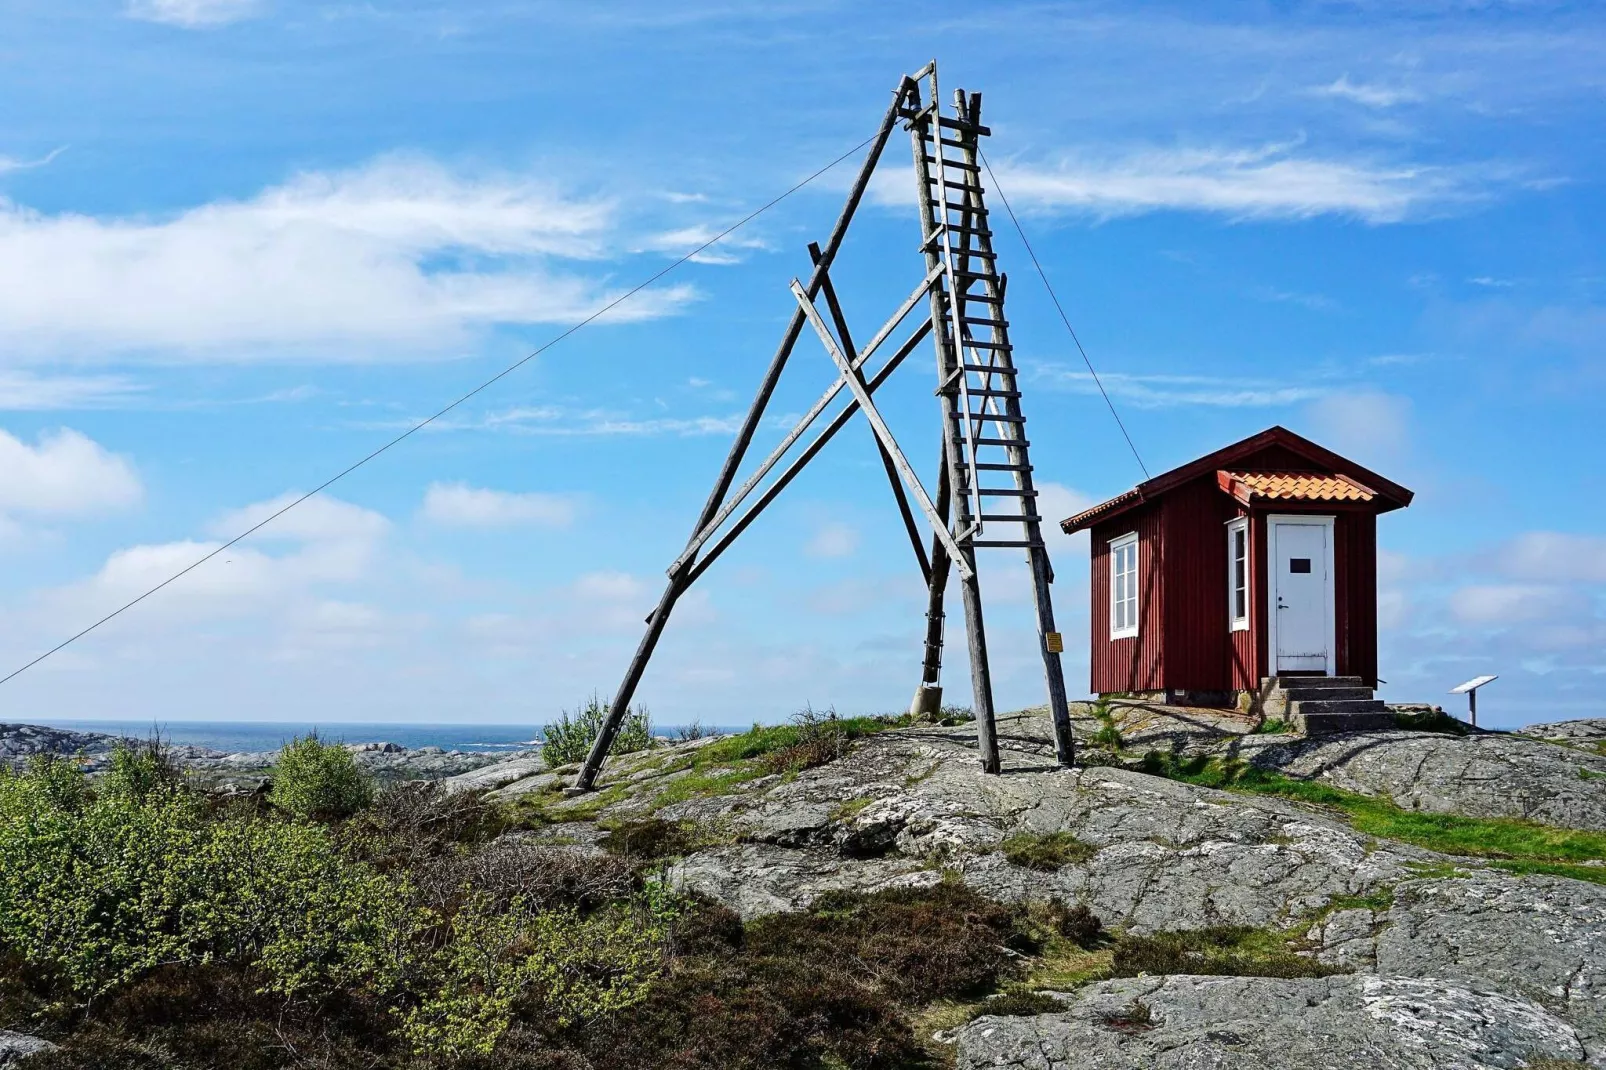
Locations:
(1294, 486)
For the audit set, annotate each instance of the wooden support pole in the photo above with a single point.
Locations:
(927, 702)
(744, 436)
(871, 413)
(920, 292)
(846, 338)
(808, 454)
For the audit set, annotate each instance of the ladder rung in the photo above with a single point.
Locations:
(962, 124)
(961, 187)
(958, 228)
(1021, 442)
(993, 466)
(1024, 543)
(958, 165)
(979, 254)
(1010, 518)
(982, 321)
(995, 346)
(995, 369)
(989, 392)
(1007, 492)
(987, 417)
(974, 275)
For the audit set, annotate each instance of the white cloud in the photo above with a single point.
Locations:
(392, 258)
(459, 505)
(1554, 556)
(1371, 425)
(1056, 502)
(1166, 391)
(22, 391)
(65, 474)
(1514, 603)
(1373, 96)
(1260, 183)
(193, 14)
(11, 163)
(833, 539)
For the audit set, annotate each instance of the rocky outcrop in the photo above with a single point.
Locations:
(1541, 938)
(16, 1047)
(1584, 733)
(1359, 1022)
(1480, 774)
(18, 742)
(247, 769)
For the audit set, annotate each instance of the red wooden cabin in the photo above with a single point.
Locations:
(1259, 560)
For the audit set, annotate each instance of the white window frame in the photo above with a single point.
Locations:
(1118, 546)
(1235, 622)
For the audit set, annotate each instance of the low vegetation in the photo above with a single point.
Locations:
(1229, 951)
(1430, 719)
(1108, 733)
(144, 924)
(147, 925)
(317, 780)
(1045, 851)
(1520, 846)
(568, 739)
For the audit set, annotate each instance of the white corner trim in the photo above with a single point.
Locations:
(1130, 629)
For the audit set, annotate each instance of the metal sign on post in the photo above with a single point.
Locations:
(984, 464)
(1470, 689)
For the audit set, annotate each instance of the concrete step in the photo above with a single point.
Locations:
(1286, 682)
(1342, 705)
(1327, 694)
(1325, 724)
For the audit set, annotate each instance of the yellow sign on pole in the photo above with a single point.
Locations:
(1055, 641)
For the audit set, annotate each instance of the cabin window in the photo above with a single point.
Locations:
(1238, 575)
(1124, 586)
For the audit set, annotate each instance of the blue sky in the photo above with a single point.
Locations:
(243, 242)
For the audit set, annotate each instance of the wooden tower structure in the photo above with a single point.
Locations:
(984, 492)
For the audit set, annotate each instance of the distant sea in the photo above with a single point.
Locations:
(236, 736)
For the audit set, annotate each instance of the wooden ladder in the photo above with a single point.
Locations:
(987, 470)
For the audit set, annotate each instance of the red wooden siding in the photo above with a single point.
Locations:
(1355, 595)
(1197, 643)
(1133, 664)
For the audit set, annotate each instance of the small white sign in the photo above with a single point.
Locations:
(1472, 684)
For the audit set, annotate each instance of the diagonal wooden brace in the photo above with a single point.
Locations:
(850, 377)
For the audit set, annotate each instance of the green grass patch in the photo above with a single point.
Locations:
(1505, 839)
(1272, 726)
(811, 739)
(1223, 950)
(1430, 720)
(1045, 852)
(1379, 900)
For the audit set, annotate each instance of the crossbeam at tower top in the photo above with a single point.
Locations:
(985, 463)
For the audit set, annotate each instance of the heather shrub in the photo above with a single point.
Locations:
(319, 780)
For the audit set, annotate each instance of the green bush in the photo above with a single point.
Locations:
(319, 780)
(568, 739)
(102, 886)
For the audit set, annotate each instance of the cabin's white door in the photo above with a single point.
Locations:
(1301, 560)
